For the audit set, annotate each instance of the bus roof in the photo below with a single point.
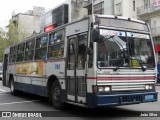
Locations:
(120, 17)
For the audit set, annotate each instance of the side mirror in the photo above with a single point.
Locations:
(95, 35)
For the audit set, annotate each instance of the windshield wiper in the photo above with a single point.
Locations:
(123, 59)
(123, 51)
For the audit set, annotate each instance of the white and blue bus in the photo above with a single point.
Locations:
(97, 61)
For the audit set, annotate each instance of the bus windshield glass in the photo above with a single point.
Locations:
(124, 49)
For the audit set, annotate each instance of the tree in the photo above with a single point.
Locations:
(7, 37)
(12, 33)
(3, 43)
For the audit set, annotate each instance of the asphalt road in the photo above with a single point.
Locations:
(27, 104)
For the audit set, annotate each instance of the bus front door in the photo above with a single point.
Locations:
(76, 58)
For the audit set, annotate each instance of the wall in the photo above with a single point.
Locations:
(77, 10)
(27, 25)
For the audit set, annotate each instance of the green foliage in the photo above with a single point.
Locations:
(3, 40)
(13, 33)
(7, 37)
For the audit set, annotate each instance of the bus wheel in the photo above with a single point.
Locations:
(56, 96)
(12, 87)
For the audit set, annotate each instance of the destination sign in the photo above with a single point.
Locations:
(105, 32)
(118, 23)
(137, 35)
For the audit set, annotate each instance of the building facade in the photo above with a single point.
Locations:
(125, 8)
(27, 23)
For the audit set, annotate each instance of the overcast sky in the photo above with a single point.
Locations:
(21, 6)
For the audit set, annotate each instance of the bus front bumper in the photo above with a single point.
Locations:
(99, 99)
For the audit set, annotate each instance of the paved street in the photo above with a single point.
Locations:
(27, 102)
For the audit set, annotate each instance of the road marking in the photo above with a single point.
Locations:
(3, 90)
(18, 102)
(5, 94)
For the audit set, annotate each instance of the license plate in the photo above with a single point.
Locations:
(149, 97)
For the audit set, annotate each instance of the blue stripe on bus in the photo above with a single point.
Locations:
(38, 90)
(29, 88)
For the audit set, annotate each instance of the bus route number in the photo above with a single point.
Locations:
(57, 66)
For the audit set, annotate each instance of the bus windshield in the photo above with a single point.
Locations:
(124, 49)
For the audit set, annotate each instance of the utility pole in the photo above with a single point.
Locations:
(92, 8)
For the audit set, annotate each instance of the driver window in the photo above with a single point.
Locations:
(102, 54)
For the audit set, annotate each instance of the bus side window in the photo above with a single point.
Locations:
(71, 54)
(20, 52)
(56, 44)
(41, 48)
(12, 56)
(29, 50)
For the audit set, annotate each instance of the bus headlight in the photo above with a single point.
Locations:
(101, 89)
(104, 89)
(149, 87)
(107, 89)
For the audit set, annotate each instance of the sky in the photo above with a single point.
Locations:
(21, 6)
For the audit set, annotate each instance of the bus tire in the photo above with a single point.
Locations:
(56, 96)
(12, 87)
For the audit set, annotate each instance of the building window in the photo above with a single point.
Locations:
(99, 8)
(134, 7)
(146, 4)
(118, 9)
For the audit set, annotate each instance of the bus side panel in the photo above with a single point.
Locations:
(28, 83)
(57, 68)
(11, 70)
(32, 88)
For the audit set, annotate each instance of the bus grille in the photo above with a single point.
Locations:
(130, 99)
(125, 85)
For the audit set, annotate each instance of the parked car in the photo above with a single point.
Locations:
(1, 71)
